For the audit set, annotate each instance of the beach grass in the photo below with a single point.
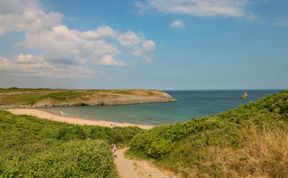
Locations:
(249, 141)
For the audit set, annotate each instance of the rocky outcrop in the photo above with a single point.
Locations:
(107, 97)
(110, 99)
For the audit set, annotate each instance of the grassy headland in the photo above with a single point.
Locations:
(20, 97)
(251, 140)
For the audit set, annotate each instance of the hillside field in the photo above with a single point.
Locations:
(249, 141)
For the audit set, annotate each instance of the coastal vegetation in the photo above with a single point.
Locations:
(21, 97)
(251, 140)
(31, 147)
(248, 141)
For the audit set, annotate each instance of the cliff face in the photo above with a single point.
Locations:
(52, 98)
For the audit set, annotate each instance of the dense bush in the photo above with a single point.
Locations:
(189, 148)
(118, 135)
(31, 147)
(71, 133)
(71, 159)
(159, 141)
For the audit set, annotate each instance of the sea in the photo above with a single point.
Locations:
(189, 105)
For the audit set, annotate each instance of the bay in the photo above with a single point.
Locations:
(189, 105)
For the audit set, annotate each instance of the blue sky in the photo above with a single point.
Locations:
(161, 44)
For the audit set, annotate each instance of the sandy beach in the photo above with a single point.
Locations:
(72, 120)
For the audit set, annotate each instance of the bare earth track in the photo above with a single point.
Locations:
(128, 168)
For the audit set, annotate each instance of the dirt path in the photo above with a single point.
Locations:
(128, 168)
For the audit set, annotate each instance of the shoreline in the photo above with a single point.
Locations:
(73, 120)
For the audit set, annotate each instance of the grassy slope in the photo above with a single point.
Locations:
(32, 96)
(31, 147)
(247, 141)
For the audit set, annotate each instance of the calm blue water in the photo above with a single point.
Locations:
(190, 104)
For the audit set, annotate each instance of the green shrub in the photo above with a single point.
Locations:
(118, 135)
(71, 159)
(190, 148)
(32, 147)
(71, 133)
(159, 148)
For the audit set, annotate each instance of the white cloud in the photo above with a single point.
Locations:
(226, 8)
(141, 7)
(100, 32)
(59, 45)
(27, 64)
(177, 24)
(144, 50)
(137, 45)
(109, 60)
(281, 21)
(25, 15)
(148, 45)
(62, 45)
(28, 59)
(129, 39)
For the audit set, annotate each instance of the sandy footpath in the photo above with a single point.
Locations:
(130, 168)
(72, 120)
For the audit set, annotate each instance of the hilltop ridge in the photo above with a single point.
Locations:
(38, 98)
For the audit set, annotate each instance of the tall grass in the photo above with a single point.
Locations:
(263, 154)
(248, 141)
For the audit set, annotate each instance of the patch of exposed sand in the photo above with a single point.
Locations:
(129, 168)
(72, 120)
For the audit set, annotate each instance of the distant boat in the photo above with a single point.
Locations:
(244, 96)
